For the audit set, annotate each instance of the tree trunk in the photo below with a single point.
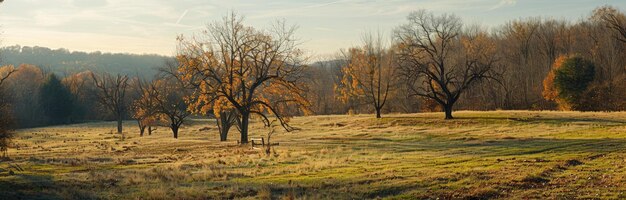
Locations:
(268, 147)
(224, 125)
(175, 131)
(244, 127)
(149, 130)
(119, 124)
(378, 113)
(142, 129)
(224, 129)
(223, 136)
(448, 110)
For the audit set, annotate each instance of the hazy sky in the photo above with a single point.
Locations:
(151, 26)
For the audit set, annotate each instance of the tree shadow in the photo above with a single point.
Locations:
(40, 187)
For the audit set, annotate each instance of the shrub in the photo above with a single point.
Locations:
(568, 81)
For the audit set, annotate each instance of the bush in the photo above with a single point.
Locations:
(607, 96)
(568, 81)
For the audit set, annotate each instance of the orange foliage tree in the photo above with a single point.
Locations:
(549, 91)
(236, 67)
(6, 72)
(144, 108)
(368, 75)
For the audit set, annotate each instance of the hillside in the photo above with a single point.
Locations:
(65, 62)
(499, 154)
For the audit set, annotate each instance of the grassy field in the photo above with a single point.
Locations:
(500, 154)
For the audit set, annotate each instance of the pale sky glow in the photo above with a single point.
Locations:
(151, 26)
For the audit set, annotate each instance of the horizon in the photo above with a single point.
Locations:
(325, 27)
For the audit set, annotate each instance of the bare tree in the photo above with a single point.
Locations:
(612, 18)
(250, 71)
(169, 103)
(439, 60)
(112, 95)
(519, 39)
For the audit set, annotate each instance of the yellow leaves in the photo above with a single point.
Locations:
(368, 70)
(219, 106)
(240, 68)
(479, 46)
(6, 69)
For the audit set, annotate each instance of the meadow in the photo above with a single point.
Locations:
(478, 155)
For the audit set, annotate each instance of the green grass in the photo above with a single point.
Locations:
(499, 154)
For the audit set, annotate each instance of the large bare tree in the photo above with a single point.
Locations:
(439, 59)
(254, 72)
(112, 95)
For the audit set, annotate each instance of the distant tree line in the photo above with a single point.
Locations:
(65, 62)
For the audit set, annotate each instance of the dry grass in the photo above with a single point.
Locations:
(500, 154)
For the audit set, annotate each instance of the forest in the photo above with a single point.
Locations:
(461, 85)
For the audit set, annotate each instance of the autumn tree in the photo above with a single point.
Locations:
(56, 100)
(145, 106)
(440, 60)
(112, 95)
(226, 118)
(6, 73)
(254, 72)
(21, 90)
(6, 121)
(369, 74)
(568, 80)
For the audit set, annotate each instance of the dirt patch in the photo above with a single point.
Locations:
(596, 156)
(534, 180)
(204, 129)
(337, 124)
(573, 162)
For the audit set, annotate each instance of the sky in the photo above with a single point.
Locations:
(325, 26)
